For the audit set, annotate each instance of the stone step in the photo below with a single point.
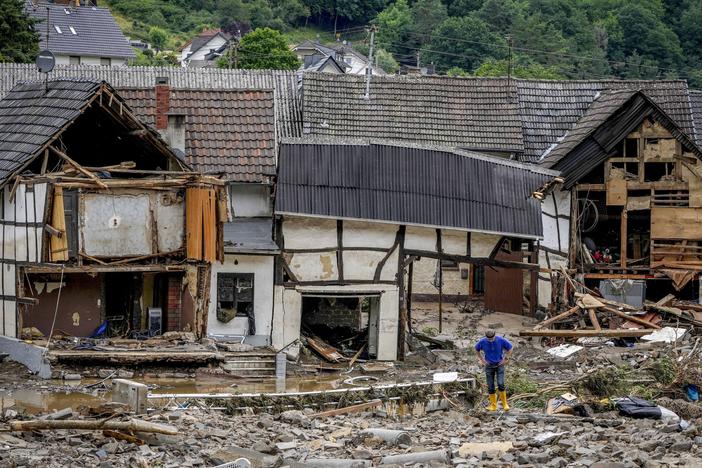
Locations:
(262, 361)
(253, 366)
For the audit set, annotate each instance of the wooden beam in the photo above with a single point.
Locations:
(80, 168)
(623, 237)
(592, 312)
(586, 333)
(631, 318)
(349, 409)
(558, 317)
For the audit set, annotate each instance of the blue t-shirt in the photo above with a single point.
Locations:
(494, 350)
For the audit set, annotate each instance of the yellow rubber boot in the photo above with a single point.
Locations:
(493, 402)
(503, 400)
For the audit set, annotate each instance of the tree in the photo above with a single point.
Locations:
(382, 57)
(462, 7)
(394, 26)
(158, 37)
(19, 42)
(465, 43)
(262, 48)
(427, 15)
(232, 11)
(500, 14)
(492, 67)
(457, 72)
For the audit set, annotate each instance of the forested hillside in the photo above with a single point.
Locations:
(550, 38)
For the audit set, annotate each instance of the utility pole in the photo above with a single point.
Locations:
(369, 66)
(234, 50)
(509, 60)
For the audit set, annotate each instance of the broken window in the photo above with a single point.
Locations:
(235, 293)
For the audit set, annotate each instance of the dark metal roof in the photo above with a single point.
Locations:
(249, 235)
(96, 31)
(477, 114)
(409, 185)
(607, 121)
(226, 131)
(30, 117)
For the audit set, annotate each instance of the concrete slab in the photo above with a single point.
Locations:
(29, 355)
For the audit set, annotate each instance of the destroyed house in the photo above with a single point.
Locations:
(517, 119)
(106, 230)
(353, 217)
(231, 134)
(634, 176)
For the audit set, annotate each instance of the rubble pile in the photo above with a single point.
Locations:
(452, 438)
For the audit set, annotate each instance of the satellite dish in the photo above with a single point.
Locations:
(45, 61)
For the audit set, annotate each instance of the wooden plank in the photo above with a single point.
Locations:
(616, 192)
(349, 409)
(586, 333)
(615, 276)
(58, 245)
(193, 222)
(558, 317)
(209, 225)
(593, 318)
(638, 203)
(680, 223)
(78, 167)
(624, 238)
(329, 353)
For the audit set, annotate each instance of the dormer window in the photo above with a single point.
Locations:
(73, 30)
(67, 11)
(58, 29)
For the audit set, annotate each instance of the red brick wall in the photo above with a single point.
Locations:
(163, 105)
(175, 306)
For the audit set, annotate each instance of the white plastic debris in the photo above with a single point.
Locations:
(564, 350)
(665, 335)
(445, 377)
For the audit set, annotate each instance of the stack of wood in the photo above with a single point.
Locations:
(596, 316)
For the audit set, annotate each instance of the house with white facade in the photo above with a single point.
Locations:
(80, 33)
(314, 57)
(204, 49)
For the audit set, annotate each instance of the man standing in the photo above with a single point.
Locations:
(493, 352)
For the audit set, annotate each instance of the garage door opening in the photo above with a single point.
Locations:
(348, 324)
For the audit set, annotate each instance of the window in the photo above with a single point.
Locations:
(235, 294)
(74, 60)
(73, 30)
(105, 61)
(58, 29)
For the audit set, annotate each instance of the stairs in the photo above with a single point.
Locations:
(252, 364)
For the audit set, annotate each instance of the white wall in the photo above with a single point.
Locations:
(20, 242)
(262, 268)
(555, 216)
(287, 316)
(94, 61)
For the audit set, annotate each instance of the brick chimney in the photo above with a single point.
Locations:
(163, 102)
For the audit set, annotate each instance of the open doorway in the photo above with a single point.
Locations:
(122, 304)
(348, 324)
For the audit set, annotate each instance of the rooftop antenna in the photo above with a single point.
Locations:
(45, 60)
(369, 65)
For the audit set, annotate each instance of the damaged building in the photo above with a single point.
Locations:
(106, 230)
(633, 174)
(229, 134)
(352, 218)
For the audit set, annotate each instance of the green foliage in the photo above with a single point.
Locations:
(148, 58)
(18, 42)
(607, 382)
(382, 57)
(463, 42)
(430, 331)
(518, 382)
(263, 48)
(158, 37)
(664, 370)
(395, 24)
(492, 67)
(456, 71)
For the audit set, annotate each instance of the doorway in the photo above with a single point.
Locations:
(122, 303)
(349, 324)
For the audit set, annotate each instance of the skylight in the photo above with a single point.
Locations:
(73, 31)
(58, 29)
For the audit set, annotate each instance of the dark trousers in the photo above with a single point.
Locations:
(491, 371)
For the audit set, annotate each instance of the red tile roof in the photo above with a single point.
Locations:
(230, 132)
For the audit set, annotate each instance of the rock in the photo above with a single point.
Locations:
(294, 417)
(264, 447)
(125, 374)
(360, 454)
(72, 377)
(540, 458)
(558, 462)
(101, 454)
(110, 447)
(286, 445)
(681, 446)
